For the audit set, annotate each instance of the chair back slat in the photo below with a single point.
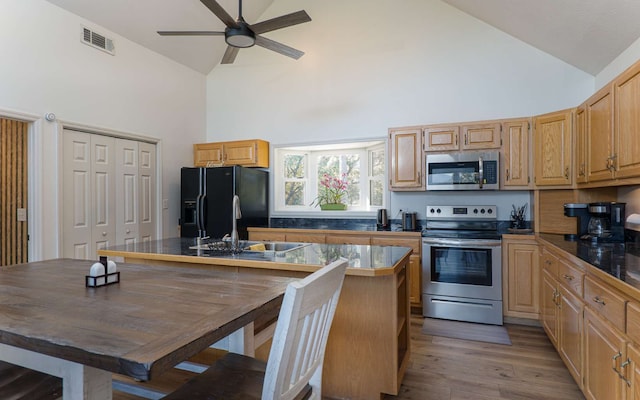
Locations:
(301, 334)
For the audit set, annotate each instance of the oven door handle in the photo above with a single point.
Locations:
(463, 242)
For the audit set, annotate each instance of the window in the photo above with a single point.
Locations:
(301, 174)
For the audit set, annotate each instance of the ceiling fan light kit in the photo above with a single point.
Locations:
(238, 34)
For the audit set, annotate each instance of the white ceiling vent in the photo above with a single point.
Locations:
(97, 40)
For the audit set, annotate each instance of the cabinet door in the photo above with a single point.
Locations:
(581, 144)
(600, 135)
(627, 123)
(604, 350)
(441, 138)
(549, 307)
(208, 154)
(632, 373)
(523, 276)
(481, 136)
(243, 152)
(552, 149)
(406, 161)
(570, 339)
(516, 154)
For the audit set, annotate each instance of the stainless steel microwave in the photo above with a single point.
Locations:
(469, 170)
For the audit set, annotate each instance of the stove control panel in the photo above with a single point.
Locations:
(462, 212)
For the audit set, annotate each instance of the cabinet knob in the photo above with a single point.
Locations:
(104, 233)
(128, 231)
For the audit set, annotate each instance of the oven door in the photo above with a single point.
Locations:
(469, 268)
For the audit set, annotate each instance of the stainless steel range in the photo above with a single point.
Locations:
(462, 264)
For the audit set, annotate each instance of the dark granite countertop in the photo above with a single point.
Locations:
(620, 260)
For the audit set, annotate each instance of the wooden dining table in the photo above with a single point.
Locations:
(153, 319)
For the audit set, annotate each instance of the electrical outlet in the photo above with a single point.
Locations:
(22, 214)
(165, 204)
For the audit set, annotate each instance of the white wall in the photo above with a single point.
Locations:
(373, 65)
(362, 74)
(45, 68)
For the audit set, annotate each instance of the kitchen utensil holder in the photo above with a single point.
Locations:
(102, 280)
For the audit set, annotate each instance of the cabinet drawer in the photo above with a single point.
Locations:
(607, 302)
(349, 239)
(414, 244)
(633, 321)
(570, 277)
(549, 263)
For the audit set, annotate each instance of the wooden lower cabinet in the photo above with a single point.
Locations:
(520, 277)
(570, 320)
(633, 372)
(605, 350)
(549, 306)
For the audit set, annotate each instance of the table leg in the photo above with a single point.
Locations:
(241, 341)
(78, 381)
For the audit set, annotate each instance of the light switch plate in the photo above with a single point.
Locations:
(165, 204)
(22, 214)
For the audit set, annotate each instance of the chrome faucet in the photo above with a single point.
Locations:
(235, 215)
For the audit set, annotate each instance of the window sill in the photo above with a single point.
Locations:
(323, 214)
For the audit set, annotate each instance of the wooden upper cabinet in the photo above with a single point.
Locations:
(627, 123)
(441, 138)
(515, 166)
(599, 126)
(406, 161)
(580, 126)
(481, 136)
(248, 153)
(206, 154)
(552, 149)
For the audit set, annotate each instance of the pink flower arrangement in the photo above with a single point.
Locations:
(332, 190)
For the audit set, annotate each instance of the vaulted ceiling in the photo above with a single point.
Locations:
(587, 34)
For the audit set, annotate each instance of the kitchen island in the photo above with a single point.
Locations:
(369, 345)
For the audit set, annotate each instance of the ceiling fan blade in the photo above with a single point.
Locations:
(283, 21)
(220, 12)
(278, 47)
(230, 55)
(190, 33)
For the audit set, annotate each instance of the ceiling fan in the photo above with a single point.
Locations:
(239, 34)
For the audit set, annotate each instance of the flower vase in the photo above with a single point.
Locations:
(333, 207)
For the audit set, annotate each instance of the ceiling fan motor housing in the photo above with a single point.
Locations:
(240, 36)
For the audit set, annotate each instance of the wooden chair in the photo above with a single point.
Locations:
(294, 367)
(18, 383)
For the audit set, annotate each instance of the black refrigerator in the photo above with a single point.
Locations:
(207, 197)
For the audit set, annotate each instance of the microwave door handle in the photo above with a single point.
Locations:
(480, 171)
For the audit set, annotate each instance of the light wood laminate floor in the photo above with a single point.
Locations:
(453, 369)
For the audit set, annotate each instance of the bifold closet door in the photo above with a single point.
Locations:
(89, 196)
(13, 192)
(109, 193)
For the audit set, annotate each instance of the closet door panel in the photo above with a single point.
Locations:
(127, 191)
(148, 200)
(102, 189)
(77, 195)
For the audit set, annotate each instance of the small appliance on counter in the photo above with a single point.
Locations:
(383, 220)
(606, 222)
(581, 212)
(409, 221)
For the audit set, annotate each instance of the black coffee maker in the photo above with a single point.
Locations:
(581, 212)
(606, 222)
